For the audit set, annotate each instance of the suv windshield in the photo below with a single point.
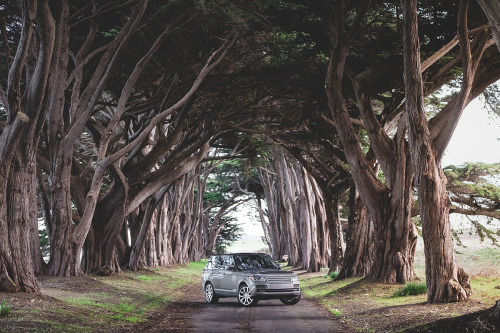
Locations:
(254, 261)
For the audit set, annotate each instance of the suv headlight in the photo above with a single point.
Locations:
(258, 278)
(295, 279)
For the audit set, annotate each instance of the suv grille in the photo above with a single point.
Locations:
(279, 279)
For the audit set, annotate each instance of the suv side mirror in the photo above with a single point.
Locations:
(229, 267)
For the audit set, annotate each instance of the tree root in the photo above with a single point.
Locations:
(7, 284)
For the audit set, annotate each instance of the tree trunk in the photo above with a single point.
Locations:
(148, 224)
(64, 261)
(495, 315)
(336, 239)
(18, 145)
(492, 11)
(319, 230)
(395, 233)
(16, 268)
(305, 210)
(273, 216)
(445, 281)
(394, 242)
(359, 254)
(162, 241)
(100, 250)
(36, 251)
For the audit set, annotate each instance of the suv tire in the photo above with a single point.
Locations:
(210, 296)
(244, 296)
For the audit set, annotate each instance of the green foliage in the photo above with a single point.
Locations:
(473, 192)
(471, 178)
(411, 289)
(236, 16)
(44, 240)
(4, 309)
(333, 275)
(471, 171)
(229, 233)
(492, 100)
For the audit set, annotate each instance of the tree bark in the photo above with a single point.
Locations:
(319, 229)
(18, 146)
(395, 242)
(360, 245)
(100, 250)
(335, 228)
(16, 267)
(273, 216)
(444, 283)
(492, 11)
(67, 240)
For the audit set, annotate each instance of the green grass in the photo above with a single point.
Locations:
(4, 309)
(81, 301)
(411, 289)
(104, 302)
(322, 286)
(123, 311)
(146, 278)
(62, 327)
(336, 312)
(486, 288)
(490, 254)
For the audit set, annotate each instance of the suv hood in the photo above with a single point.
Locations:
(268, 272)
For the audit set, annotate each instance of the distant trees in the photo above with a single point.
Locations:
(470, 189)
(230, 233)
(294, 220)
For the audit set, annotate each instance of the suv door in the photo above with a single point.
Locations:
(217, 270)
(228, 282)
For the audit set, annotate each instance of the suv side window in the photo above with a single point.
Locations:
(228, 260)
(209, 265)
(218, 262)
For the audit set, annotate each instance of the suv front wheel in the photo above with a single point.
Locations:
(244, 296)
(210, 294)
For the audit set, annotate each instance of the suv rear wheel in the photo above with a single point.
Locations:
(244, 296)
(210, 294)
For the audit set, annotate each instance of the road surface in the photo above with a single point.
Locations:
(267, 316)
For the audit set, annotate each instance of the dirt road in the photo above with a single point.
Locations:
(266, 316)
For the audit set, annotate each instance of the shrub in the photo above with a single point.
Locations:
(333, 275)
(412, 288)
(4, 309)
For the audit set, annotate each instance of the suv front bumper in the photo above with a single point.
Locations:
(275, 291)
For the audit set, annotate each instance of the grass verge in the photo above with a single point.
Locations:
(92, 303)
(366, 306)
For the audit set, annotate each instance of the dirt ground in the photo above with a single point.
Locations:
(127, 302)
(160, 300)
(40, 313)
(366, 306)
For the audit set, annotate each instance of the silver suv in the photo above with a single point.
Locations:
(250, 277)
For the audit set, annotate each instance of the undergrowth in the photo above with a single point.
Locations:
(4, 309)
(411, 289)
